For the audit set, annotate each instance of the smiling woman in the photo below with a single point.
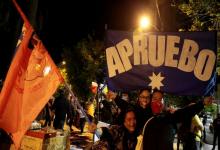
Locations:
(143, 110)
(144, 98)
(123, 136)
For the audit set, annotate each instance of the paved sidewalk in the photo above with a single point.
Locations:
(205, 147)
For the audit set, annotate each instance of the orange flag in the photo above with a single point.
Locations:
(12, 90)
(27, 90)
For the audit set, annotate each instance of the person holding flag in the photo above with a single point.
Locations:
(161, 127)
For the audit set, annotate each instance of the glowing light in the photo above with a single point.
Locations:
(144, 22)
(47, 70)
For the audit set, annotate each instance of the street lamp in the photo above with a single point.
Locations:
(145, 23)
(63, 62)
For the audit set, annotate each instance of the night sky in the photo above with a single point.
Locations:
(63, 23)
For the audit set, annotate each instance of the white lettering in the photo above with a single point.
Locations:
(187, 58)
(140, 49)
(113, 61)
(125, 50)
(205, 64)
(171, 50)
(156, 52)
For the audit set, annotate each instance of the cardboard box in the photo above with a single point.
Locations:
(31, 143)
(40, 134)
(55, 143)
(40, 140)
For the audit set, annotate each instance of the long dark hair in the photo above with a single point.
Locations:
(139, 93)
(156, 90)
(124, 113)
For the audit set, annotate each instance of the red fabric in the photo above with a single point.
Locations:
(157, 107)
(31, 80)
(12, 91)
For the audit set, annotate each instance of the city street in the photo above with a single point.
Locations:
(209, 138)
(207, 145)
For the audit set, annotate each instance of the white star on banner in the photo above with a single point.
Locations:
(156, 81)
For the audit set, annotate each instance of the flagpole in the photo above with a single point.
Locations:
(159, 14)
(74, 100)
(23, 16)
(26, 21)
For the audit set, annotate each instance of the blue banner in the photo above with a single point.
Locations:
(181, 63)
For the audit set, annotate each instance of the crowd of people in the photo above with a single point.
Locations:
(162, 123)
(128, 120)
(146, 116)
(62, 109)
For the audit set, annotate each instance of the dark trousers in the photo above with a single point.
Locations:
(70, 123)
(58, 124)
(82, 122)
(204, 135)
(47, 121)
(216, 135)
(189, 142)
(178, 143)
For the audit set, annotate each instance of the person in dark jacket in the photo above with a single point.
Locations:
(120, 137)
(122, 101)
(48, 115)
(189, 132)
(160, 130)
(61, 107)
(143, 108)
(109, 109)
(216, 125)
(204, 121)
